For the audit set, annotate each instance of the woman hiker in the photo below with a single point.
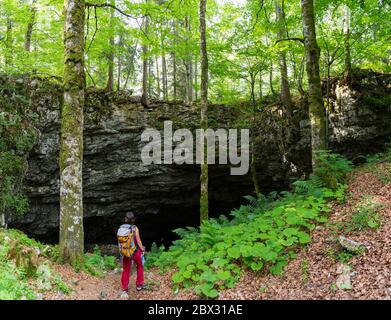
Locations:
(137, 257)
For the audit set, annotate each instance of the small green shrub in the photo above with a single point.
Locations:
(61, 285)
(96, 264)
(382, 172)
(153, 255)
(332, 170)
(366, 216)
(22, 274)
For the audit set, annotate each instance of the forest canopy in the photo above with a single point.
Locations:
(246, 40)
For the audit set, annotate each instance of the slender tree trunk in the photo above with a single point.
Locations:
(189, 63)
(158, 77)
(110, 75)
(260, 86)
(174, 65)
(315, 98)
(285, 89)
(273, 92)
(196, 78)
(191, 91)
(174, 76)
(346, 32)
(145, 97)
(300, 78)
(2, 221)
(131, 64)
(71, 150)
(150, 76)
(8, 44)
(252, 87)
(204, 198)
(30, 26)
(254, 175)
(164, 69)
(119, 66)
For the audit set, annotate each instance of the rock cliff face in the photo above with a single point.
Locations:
(166, 196)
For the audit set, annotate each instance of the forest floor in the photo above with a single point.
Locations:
(312, 275)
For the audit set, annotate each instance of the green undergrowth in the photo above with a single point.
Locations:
(383, 173)
(97, 264)
(261, 236)
(26, 267)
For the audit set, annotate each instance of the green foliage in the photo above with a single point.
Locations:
(61, 285)
(383, 172)
(152, 255)
(17, 137)
(332, 169)
(262, 235)
(344, 256)
(17, 252)
(96, 264)
(13, 283)
(366, 216)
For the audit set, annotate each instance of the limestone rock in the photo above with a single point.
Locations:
(166, 197)
(344, 278)
(351, 245)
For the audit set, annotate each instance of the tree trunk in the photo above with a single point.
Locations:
(174, 65)
(196, 78)
(315, 98)
(273, 92)
(285, 89)
(71, 150)
(29, 32)
(145, 97)
(260, 85)
(346, 32)
(252, 87)
(300, 78)
(8, 44)
(110, 75)
(188, 65)
(150, 76)
(164, 69)
(204, 198)
(254, 173)
(158, 77)
(119, 66)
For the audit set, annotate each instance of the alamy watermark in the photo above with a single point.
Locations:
(178, 147)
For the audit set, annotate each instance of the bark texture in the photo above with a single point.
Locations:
(30, 26)
(315, 98)
(71, 149)
(204, 202)
(145, 96)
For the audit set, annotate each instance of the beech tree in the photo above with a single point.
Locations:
(204, 198)
(71, 149)
(315, 96)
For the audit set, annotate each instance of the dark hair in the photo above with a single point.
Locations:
(130, 218)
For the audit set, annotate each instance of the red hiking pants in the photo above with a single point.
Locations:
(126, 268)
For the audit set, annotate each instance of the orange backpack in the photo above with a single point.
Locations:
(127, 245)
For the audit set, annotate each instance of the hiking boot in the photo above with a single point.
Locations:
(142, 287)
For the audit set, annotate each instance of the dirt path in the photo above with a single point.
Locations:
(312, 275)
